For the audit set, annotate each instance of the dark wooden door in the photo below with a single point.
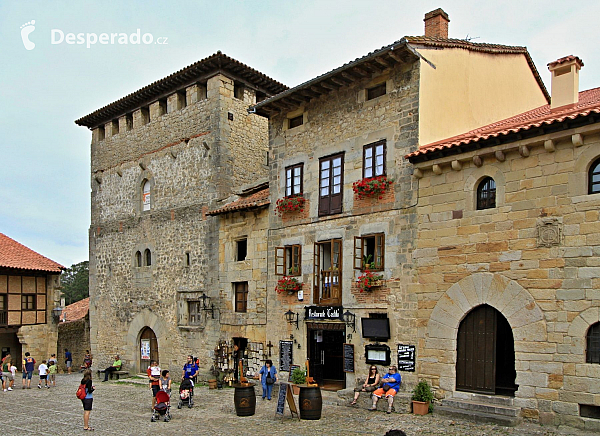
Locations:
(476, 351)
(148, 335)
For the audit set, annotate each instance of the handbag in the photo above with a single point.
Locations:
(270, 380)
(386, 387)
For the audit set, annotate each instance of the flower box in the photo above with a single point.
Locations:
(293, 203)
(369, 280)
(373, 187)
(288, 284)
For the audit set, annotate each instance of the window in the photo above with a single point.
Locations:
(146, 195)
(101, 133)
(147, 257)
(241, 296)
(241, 250)
(138, 259)
(162, 106)
(594, 178)
(592, 354)
(376, 91)
(328, 272)
(293, 180)
(27, 302)
(486, 194)
(295, 122)
(238, 90)
(330, 184)
(129, 121)
(181, 99)
(194, 312)
(145, 113)
(187, 259)
(3, 311)
(288, 260)
(374, 160)
(369, 252)
(115, 127)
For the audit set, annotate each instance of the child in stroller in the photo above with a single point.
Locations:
(186, 393)
(162, 407)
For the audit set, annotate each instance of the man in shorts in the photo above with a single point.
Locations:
(391, 385)
(8, 380)
(28, 364)
(68, 360)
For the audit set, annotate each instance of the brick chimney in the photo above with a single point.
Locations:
(436, 24)
(565, 81)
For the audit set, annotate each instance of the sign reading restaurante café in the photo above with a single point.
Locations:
(323, 312)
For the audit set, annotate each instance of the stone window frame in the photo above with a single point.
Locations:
(291, 254)
(295, 114)
(287, 187)
(373, 146)
(363, 93)
(359, 245)
(322, 211)
(472, 182)
(237, 248)
(194, 316)
(144, 176)
(592, 339)
(141, 249)
(578, 187)
(138, 259)
(594, 170)
(484, 194)
(147, 258)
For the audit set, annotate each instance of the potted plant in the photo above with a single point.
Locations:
(372, 187)
(288, 204)
(368, 280)
(422, 396)
(288, 284)
(298, 378)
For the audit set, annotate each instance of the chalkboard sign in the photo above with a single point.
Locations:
(406, 358)
(285, 393)
(292, 368)
(348, 358)
(285, 355)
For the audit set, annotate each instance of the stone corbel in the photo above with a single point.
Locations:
(418, 173)
(524, 151)
(477, 161)
(500, 156)
(456, 165)
(577, 140)
(549, 146)
(436, 169)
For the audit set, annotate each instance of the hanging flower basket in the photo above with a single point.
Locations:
(371, 187)
(369, 280)
(289, 204)
(288, 284)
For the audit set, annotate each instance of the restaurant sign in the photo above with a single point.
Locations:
(323, 312)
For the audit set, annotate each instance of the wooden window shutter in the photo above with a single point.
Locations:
(358, 256)
(280, 261)
(296, 260)
(379, 252)
(316, 273)
(337, 184)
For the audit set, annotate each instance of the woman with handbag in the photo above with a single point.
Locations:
(369, 385)
(268, 378)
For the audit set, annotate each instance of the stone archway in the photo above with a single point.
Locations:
(509, 298)
(145, 319)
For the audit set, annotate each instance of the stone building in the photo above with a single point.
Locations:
(74, 333)
(507, 260)
(29, 292)
(328, 137)
(159, 158)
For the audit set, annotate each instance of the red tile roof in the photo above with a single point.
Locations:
(566, 59)
(15, 255)
(257, 199)
(589, 102)
(76, 311)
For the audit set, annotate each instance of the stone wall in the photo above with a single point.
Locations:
(74, 336)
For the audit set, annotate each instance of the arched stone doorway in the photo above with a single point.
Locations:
(148, 348)
(485, 361)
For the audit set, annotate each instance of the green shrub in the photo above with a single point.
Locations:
(299, 376)
(422, 392)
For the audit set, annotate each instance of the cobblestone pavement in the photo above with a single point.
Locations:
(124, 408)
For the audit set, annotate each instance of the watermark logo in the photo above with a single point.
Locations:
(26, 30)
(57, 36)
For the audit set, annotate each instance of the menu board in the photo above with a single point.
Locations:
(406, 358)
(285, 393)
(348, 357)
(285, 355)
(292, 368)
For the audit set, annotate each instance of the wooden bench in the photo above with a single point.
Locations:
(117, 374)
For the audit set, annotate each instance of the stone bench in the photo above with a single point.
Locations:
(402, 401)
(116, 374)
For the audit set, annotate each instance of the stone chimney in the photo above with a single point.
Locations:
(565, 81)
(436, 24)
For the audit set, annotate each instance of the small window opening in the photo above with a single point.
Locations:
(295, 122)
(129, 121)
(162, 103)
(138, 259)
(145, 114)
(181, 99)
(101, 133)
(238, 91)
(242, 249)
(187, 259)
(148, 257)
(146, 195)
(195, 312)
(376, 91)
(260, 96)
(115, 127)
(594, 178)
(589, 411)
(486, 194)
(592, 354)
(27, 302)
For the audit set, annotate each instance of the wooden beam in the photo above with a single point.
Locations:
(394, 56)
(382, 62)
(320, 90)
(360, 72)
(328, 85)
(349, 76)
(337, 81)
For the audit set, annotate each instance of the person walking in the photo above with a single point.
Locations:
(268, 378)
(88, 400)
(68, 360)
(370, 384)
(43, 371)
(52, 374)
(8, 378)
(28, 365)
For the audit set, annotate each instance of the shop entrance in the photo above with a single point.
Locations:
(326, 355)
(148, 348)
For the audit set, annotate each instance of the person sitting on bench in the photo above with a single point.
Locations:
(391, 385)
(116, 366)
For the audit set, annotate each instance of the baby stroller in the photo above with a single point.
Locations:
(186, 393)
(162, 407)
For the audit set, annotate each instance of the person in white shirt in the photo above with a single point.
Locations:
(43, 370)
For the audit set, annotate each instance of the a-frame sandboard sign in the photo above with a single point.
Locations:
(285, 393)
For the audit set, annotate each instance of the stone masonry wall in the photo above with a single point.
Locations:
(74, 336)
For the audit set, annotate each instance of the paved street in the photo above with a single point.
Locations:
(124, 409)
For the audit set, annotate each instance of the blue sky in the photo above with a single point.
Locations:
(44, 176)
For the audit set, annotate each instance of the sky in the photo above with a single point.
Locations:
(45, 156)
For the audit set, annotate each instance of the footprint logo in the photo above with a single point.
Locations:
(26, 30)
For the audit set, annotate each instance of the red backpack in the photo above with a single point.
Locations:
(81, 392)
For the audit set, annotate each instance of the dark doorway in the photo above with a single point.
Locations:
(326, 359)
(239, 353)
(148, 340)
(485, 353)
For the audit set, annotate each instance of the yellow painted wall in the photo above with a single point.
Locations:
(468, 89)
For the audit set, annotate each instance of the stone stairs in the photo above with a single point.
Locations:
(492, 409)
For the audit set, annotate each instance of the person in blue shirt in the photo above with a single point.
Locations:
(391, 385)
(190, 369)
(68, 360)
(28, 364)
(268, 371)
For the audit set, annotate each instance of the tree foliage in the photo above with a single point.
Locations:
(75, 282)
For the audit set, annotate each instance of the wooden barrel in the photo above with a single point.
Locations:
(311, 402)
(245, 400)
(212, 384)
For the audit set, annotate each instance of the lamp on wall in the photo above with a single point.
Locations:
(292, 318)
(56, 312)
(350, 320)
(205, 300)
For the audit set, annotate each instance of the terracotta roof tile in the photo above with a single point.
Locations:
(566, 59)
(257, 199)
(15, 255)
(75, 311)
(589, 102)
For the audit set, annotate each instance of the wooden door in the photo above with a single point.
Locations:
(476, 351)
(148, 337)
